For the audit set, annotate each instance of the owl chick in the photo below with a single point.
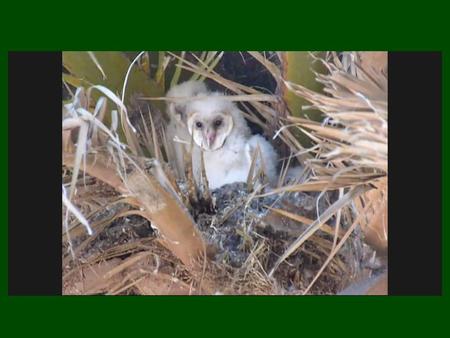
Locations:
(177, 133)
(218, 127)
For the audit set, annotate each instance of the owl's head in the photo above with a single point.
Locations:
(210, 121)
(181, 93)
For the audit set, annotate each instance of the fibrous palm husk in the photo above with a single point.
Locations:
(352, 140)
(146, 184)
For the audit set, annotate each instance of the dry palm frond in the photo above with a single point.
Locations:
(357, 106)
(350, 150)
(352, 140)
(144, 182)
(302, 219)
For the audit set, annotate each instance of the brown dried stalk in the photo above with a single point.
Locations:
(172, 220)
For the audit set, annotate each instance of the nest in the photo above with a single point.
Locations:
(245, 234)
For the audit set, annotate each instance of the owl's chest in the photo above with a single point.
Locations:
(224, 159)
(226, 166)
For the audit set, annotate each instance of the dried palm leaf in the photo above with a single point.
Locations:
(353, 139)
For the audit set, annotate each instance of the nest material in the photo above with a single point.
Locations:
(247, 238)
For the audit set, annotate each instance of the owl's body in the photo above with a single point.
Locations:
(221, 133)
(225, 166)
(232, 162)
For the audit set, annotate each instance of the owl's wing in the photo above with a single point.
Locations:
(266, 157)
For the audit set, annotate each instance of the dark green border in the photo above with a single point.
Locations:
(348, 25)
(4, 171)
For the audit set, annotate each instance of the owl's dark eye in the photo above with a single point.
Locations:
(198, 125)
(217, 123)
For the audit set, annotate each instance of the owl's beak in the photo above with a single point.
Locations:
(210, 138)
